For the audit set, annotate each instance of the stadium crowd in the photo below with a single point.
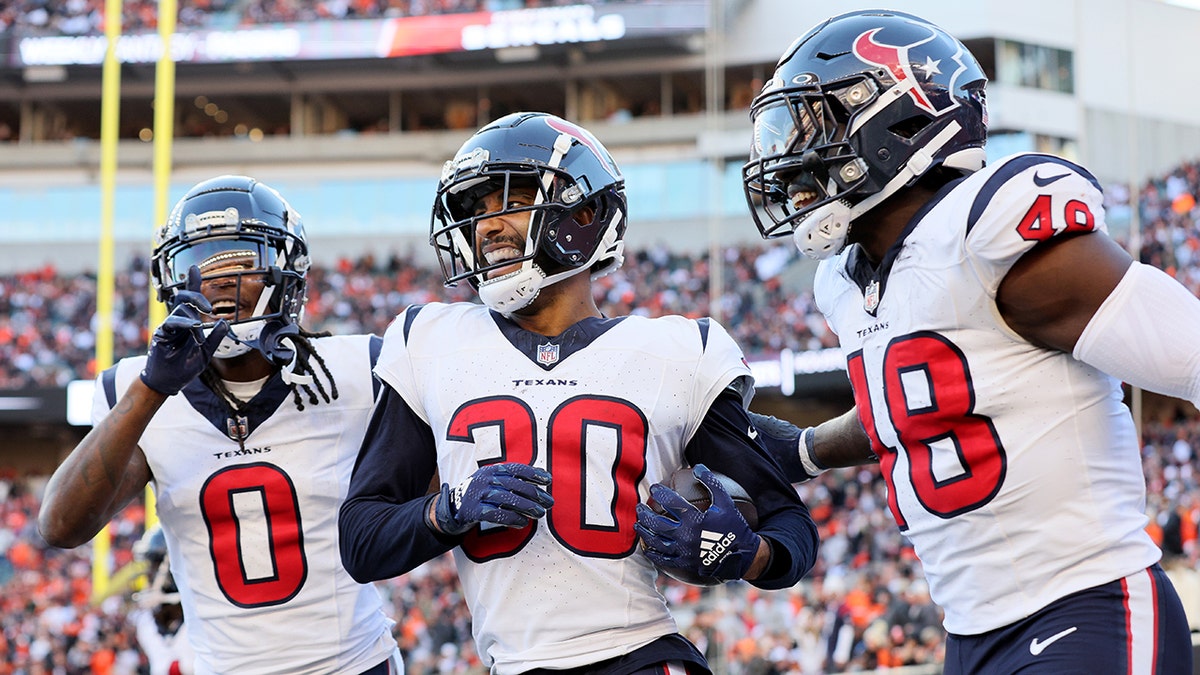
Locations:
(865, 605)
(47, 319)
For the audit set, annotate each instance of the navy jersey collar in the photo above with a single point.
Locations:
(548, 352)
(864, 273)
(256, 411)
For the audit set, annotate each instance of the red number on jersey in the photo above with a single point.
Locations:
(1079, 217)
(930, 403)
(1038, 223)
(515, 422)
(568, 462)
(269, 486)
(866, 414)
(567, 433)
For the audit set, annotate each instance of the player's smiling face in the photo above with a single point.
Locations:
(502, 237)
(232, 293)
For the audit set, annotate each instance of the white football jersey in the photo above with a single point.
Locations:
(612, 403)
(1014, 470)
(252, 531)
(166, 654)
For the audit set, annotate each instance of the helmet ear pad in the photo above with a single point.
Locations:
(562, 240)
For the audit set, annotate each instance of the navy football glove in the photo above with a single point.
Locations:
(179, 351)
(505, 494)
(717, 543)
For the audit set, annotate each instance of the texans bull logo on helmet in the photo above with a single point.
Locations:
(898, 62)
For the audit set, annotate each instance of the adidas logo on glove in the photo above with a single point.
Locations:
(713, 546)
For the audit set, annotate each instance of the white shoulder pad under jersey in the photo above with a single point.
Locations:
(1014, 470)
(252, 527)
(606, 408)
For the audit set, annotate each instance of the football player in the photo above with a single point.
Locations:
(247, 426)
(542, 427)
(161, 634)
(987, 320)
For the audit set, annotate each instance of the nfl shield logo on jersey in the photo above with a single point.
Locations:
(547, 354)
(871, 297)
(237, 427)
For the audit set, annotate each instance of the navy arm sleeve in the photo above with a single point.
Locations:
(724, 443)
(782, 440)
(381, 523)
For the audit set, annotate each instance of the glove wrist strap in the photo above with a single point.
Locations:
(446, 523)
(806, 449)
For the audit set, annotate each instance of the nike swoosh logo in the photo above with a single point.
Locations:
(1043, 182)
(1036, 647)
(752, 433)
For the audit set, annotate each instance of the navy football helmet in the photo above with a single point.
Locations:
(859, 107)
(161, 595)
(576, 221)
(235, 227)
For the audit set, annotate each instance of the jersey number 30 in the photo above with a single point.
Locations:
(567, 430)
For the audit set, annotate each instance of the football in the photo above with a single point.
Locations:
(696, 493)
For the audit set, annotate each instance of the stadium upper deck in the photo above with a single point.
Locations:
(370, 90)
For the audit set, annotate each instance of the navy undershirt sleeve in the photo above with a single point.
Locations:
(724, 443)
(382, 527)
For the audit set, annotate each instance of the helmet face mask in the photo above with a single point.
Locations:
(858, 108)
(239, 233)
(465, 207)
(575, 218)
(804, 158)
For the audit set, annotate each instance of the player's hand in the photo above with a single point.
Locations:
(507, 494)
(179, 350)
(717, 543)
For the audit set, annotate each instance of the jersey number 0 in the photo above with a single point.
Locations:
(262, 484)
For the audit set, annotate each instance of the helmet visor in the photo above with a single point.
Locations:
(219, 257)
(791, 124)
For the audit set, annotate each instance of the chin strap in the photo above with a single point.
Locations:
(822, 233)
(514, 290)
(290, 377)
(277, 343)
(236, 345)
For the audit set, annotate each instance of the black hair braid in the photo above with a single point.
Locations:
(213, 381)
(305, 354)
